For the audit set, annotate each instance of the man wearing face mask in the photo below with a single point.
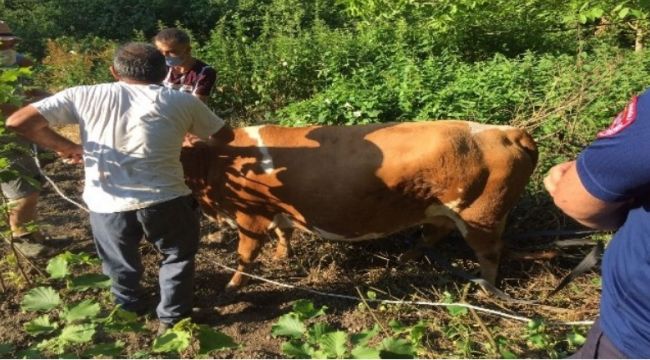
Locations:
(22, 193)
(185, 72)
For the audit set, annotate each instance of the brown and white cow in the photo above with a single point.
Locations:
(365, 182)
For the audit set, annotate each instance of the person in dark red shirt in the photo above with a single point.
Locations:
(190, 75)
(186, 73)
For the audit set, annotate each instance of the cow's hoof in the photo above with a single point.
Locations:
(232, 288)
(282, 255)
(216, 237)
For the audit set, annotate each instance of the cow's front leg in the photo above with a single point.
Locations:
(488, 246)
(251, 238)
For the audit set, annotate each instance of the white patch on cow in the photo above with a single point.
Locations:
(476, 128)
(282, 221)
(267, 160)
(331, 236)
(448, 210)
(453, 205)
(460, 190)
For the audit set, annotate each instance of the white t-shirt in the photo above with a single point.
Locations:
(132, 136)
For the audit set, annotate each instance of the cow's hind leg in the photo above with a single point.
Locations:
(283, 249)
(252, 235)
(488, 246)
(432, 233)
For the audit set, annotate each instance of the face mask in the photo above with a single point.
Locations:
(7, 57)
(173, 60)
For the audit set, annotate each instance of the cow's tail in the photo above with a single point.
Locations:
(525, 142)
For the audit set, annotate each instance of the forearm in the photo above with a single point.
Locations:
(30, 124)
(569, 194)
(222, 137)
(610, 220)
(47, 138)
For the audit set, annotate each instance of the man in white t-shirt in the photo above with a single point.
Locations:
(131, 134)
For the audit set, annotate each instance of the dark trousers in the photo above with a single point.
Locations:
(598, 346)
(173, 228)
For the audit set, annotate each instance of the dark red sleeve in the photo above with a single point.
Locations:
(205, 82)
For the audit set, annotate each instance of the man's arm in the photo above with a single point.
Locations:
(30, 124)
(569, 194)
(222, 137)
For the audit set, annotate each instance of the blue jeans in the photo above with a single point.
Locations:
(173, 227)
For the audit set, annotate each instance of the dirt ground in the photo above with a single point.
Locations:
(340, 268)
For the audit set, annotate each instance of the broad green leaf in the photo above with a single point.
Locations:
(317, 331)
(364, 337)
(110, 350)
(306, 309)
(397, 327)
(83, 258)
(397, 349)
(90, 281)
(334, 344)
(83, 310)
(6, 349)
(212, 340)
(297, 349)
(121, 320)
(173, 341)
(40, 299)
(453, 310)
(289, 325)
(142, 354)
(506, 353)
(57, 267)
(623, 13)
(504, 348)
(81, 333)
(53, 345)
(576, 339)
(40, 325)
(417, 332)
(31, 352)
(363, 352)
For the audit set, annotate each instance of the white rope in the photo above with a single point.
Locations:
(402, 302)
(56, 188)
(347, 297)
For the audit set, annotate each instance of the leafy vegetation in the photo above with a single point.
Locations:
(91, 327)
(318, 340)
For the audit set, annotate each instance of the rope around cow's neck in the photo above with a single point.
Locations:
(339, 296)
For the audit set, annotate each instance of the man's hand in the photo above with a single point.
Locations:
(570, 195)
(191, 139)
(72, 155)
(554, 176)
